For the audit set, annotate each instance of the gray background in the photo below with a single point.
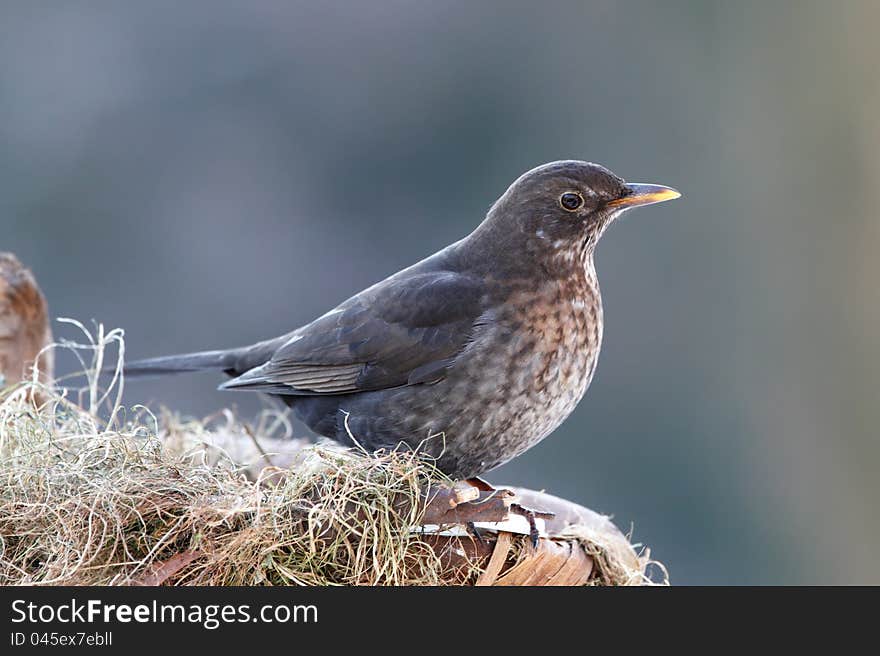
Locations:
(206, 174)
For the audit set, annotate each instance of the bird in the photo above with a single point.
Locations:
(472, 355)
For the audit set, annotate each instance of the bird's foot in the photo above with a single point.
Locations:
(517, 509)
(476, 533)
(531, 515)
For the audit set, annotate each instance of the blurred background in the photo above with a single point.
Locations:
(208, 174)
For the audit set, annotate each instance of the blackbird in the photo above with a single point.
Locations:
(472, 355)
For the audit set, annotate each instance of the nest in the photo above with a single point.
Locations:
(94, 494)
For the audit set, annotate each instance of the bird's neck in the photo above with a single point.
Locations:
(510, 269)
(569, 260)
(524, 254)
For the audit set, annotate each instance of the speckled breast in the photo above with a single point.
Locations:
(544, 345)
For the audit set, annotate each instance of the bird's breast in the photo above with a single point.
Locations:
(529, 365)
(557, 346)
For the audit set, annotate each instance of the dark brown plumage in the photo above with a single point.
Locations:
(472, 355)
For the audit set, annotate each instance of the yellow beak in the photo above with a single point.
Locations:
(644, 194)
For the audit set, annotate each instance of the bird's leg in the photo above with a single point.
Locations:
(531, 514)
(475, 533)
(516, 508)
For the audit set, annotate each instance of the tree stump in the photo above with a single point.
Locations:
(24, 324)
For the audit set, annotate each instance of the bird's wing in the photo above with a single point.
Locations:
(404, 331)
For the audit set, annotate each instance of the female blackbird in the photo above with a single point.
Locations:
(472, 355)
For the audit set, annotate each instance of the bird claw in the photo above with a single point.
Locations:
(476, 533)
(515, 508)
(531, 515)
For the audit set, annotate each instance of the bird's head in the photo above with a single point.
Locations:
(564, 207)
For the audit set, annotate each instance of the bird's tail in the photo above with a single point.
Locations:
(174, 364)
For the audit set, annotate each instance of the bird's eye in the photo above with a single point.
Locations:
(571, 201)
